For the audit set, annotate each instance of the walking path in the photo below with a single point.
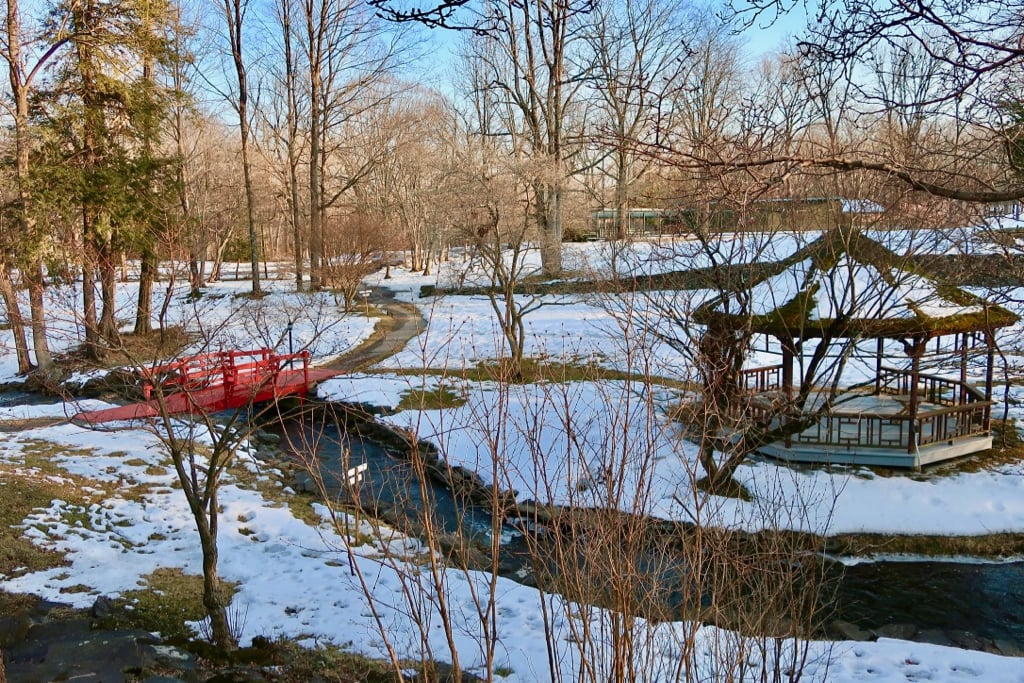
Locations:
(402, 324)
(38, 647)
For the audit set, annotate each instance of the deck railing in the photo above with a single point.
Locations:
(953, 411)
(931, 388)
(759, 380)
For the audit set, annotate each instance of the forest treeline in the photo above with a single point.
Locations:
(335, 134)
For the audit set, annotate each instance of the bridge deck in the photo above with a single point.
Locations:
(232, 388)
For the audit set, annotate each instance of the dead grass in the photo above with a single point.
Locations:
(21, 493)
(327, 663)
(132, 349)
(987, 545)
(440, 398)
(170, 599)
(539, 370)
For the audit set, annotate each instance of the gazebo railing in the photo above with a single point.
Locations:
(932, 388)
(952, 411)
(759, 380)
(879, 430)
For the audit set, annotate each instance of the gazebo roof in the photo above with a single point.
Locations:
(844, 285)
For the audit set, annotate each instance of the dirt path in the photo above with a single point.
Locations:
(402, 323)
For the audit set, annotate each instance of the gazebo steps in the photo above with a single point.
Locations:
(884, 457)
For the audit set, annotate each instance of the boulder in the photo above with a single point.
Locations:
(848, 631)
(898, 631)
(14, 628)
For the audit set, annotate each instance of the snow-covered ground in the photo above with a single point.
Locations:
(557, 442)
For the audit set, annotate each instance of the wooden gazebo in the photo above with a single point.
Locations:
(845, 289)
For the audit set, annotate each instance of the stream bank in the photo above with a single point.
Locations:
(969, 605)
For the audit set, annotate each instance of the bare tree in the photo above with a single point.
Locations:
(639, 51)
(413, 185)
(291, 137)
(498, 230)
(234, 16)
(350, 245)
(972, 54)
(348, 54)
(22, 77)
(528, 60)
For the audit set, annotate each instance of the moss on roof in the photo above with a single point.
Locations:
(794, 317)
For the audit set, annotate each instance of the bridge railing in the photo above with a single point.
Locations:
(230, 369)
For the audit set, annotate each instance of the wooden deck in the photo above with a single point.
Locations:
(868, 428)
(874, 430)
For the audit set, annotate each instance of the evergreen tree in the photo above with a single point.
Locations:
(103, 115)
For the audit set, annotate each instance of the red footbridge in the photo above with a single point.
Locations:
(212, 382)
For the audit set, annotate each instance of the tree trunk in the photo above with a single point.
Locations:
(26, 225)
(144, 307)
(213, 595)
(293, 128)
(250, 204)
(315, 201)
(293, 180)
(549, 220)
(93, 347)
(16, 319)
(85, 20)
(168, 294)
(234, 11)
(622, 196)
(317, 24)
(36, 288)
(196, 281)
(108, 290)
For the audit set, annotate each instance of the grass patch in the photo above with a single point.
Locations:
(20, 494)
(439, 398)
(39, 454)
(987, 545)
(539, 370)
(330, 664)
(169, 600)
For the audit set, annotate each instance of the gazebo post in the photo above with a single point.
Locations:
(915, 376)
(879, 350)
(990, 342)
(788, 351)
(963, 368)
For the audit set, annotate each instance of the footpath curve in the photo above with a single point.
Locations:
(402, 323)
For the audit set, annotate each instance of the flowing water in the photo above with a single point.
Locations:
(966, 599)
(389, 485)
(983, 599)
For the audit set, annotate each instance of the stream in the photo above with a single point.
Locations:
(975, 605)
